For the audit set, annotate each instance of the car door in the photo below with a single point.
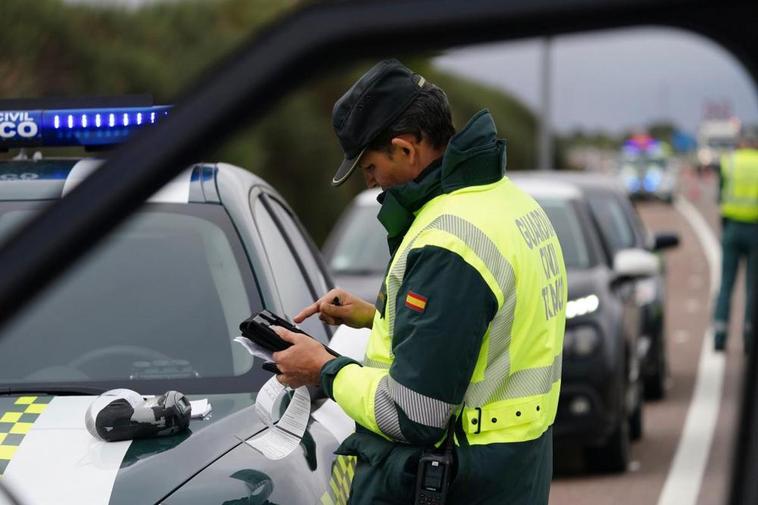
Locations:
(300, 278)
(614, 240)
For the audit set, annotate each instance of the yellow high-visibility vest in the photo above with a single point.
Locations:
(506, 236)
(739, 193)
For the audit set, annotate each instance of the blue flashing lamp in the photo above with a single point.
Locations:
(652, 180)
(631, 150)
(86, 127)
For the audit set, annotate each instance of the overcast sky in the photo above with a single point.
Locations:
(616, 80)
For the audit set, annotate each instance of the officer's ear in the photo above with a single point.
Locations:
(405, 146)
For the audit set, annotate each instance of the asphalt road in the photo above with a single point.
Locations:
(656, 476)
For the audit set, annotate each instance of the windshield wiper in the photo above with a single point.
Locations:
(50, 389)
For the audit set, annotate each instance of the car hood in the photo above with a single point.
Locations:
(48, 456)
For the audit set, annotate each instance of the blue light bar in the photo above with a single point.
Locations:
(95, 127)
(652, 180)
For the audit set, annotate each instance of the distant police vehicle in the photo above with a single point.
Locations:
(156, 307)
(647, 169)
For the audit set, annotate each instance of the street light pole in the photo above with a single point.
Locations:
(545, 141)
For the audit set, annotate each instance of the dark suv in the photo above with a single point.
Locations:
(621, 228)
(600, 406)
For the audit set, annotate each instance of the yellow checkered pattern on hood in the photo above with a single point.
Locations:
(17, 415)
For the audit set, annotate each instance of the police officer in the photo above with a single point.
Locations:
(468, 325)
(739, 233)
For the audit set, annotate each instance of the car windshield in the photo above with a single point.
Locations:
(160, 299)
(616, 229)
(361, 247)
(569, 230)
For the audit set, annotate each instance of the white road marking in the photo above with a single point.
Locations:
(682, 485)
(696, 281)
(681, 336)
(692, 305)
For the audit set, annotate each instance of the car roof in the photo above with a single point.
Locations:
(540, 185)
(584, 181)
(546, 187)
(53, 178)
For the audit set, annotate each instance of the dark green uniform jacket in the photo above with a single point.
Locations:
(502, 474)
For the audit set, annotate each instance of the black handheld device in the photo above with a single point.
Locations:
(435, 471)
(258, 329)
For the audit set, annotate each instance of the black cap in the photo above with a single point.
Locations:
(369, 107)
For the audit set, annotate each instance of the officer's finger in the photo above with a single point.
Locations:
(288, 336)
(332, 296)
(329, 320)
(336, 311)
(307, 312)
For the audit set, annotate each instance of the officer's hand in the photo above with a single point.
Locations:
(340, 307)
(301, 363)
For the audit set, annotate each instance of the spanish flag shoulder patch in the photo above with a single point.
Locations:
(415, 301)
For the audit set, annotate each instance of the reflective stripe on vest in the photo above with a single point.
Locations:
(498, 360)
(739, 195)
(417, 407)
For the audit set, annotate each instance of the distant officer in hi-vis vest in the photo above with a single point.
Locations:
(456, 397)
(738, 197)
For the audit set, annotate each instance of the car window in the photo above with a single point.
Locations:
(569, 230)
(361, 245)
(293, 288)
(616, 229)
(300, 242)
(161, 298)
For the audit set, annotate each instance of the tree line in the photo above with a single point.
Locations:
(56, 48)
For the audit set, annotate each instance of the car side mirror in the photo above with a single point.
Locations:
(665, 240)
(629, 264)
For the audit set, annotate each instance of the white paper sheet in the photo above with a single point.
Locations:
(254, 349)
(274, 444)
(201, 408)
(266, 400)
(295, 418)
(282, 437)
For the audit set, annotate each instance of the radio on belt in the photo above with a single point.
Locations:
(433, 477)
(435, 468)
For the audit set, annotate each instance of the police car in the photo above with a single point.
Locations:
(156, 307)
